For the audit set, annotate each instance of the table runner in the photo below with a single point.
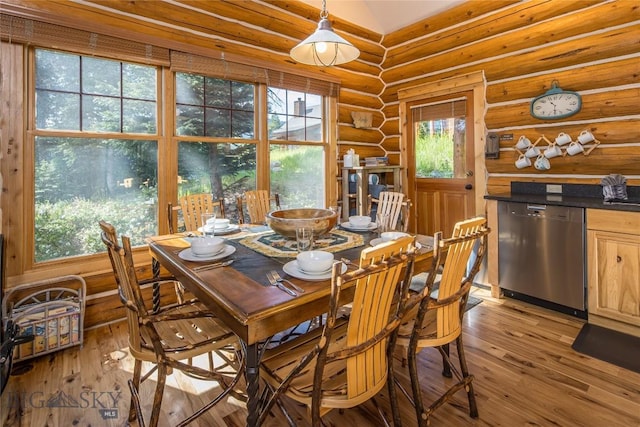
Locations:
(275, 245)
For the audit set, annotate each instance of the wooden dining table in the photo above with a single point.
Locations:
(238, 294)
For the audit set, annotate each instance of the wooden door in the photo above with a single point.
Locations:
(440, 163)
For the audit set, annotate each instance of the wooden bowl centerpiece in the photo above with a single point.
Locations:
(285, 221)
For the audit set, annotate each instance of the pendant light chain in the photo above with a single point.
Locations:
(324, 14)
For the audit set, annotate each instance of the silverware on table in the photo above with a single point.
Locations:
(274, 282)
(277, 278)
(214, 265)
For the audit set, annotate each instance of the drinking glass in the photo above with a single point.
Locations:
(208, 224)
(304, 239)
(382, 222)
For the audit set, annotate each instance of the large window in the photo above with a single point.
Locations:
(99, 145)
(82, 176)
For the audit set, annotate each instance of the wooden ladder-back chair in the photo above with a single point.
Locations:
(169, 336)
(395, 205)
(258, 203)
(346, 362)
(436, 321)
(192, 206)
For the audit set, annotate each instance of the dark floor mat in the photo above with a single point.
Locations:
(611, 346)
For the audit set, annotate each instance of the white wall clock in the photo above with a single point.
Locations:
(556, 103)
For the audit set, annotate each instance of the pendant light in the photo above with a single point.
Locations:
(324, 47)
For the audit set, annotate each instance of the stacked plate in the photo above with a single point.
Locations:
(292, 268)
(359, 223)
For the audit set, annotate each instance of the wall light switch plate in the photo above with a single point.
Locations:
(554, 188)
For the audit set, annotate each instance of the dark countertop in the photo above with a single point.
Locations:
(573, 195)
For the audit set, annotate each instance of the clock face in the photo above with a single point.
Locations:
(556, 105)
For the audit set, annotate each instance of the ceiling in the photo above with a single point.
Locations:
(384, 16)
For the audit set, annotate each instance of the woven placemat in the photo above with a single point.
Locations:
(276, 245)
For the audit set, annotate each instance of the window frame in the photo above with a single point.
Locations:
(167, 145)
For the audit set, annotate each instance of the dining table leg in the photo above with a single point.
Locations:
(252, 377)
(155, 268)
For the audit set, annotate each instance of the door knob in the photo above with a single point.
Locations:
(468, 187)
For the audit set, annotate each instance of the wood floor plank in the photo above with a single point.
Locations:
(526, 373)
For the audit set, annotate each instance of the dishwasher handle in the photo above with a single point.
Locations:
(536, 207)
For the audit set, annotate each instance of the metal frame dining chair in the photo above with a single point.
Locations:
(435, 317)
(347, 361)
(191, 207)
(258, 204)
(394, 205)
(172, 334)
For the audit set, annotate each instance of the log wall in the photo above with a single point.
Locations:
(589, 46)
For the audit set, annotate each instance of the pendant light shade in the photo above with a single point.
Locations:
(324, 47)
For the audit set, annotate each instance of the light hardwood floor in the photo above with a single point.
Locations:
(526, 374)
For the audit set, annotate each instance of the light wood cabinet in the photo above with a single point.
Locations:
(613, 259)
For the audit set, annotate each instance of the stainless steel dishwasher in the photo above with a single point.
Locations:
(542, 255)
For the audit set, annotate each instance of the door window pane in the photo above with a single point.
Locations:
(440, 139)
(79, 181)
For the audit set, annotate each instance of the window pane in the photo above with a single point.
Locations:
(313, 129)
(297, 174)
(242, 124)
(217, 92)
(79, 181)
(139, 116)
(189, 89)
(57, 71)
(242, 96)
(100, 114)
(277, 100)
(277, 126)
(314, 106)
(56, 110)
(189, 120)
(224, 170)
(100, 77)
(218, 122)
(139, 82)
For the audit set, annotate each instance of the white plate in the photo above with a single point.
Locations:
(222, 231)
(378, 240)
(292, 269)
(187, 255)
(348, 226)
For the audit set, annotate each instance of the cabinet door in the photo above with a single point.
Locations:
(614, 276)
